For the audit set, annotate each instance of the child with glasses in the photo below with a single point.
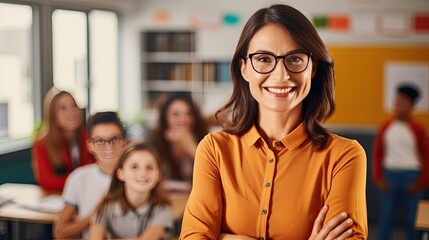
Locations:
(269, 173)
(136, 205)
(87, 185)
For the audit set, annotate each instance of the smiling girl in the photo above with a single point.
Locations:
(135, 206)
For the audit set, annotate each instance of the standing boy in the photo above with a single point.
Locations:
(87, 185)
(401, 162)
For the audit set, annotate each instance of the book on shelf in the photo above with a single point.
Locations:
(169, 41)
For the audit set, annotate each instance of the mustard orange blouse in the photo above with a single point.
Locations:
(241, 186)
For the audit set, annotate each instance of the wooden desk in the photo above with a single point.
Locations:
(18, 217)
(15, 213)
(20, 192)
(422, 218)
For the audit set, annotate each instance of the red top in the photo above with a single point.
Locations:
(422, 146)
(45, 174)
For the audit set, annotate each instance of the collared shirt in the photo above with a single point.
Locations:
(241, 186)
(132, 223)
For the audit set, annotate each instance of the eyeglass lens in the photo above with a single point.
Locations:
(266, 62)
(103, 142)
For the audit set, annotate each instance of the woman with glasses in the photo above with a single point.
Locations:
(60, 146)
(268, 175)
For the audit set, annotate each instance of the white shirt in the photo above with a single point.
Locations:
(84, 189)
(401, 147)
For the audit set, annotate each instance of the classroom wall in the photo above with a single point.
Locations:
(360, 79)
(358, 56)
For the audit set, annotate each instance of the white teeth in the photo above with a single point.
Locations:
(141, 180)
(280, 90)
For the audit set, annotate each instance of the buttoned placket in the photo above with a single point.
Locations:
(270, 168)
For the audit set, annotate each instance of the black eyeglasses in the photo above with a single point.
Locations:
(295, 62)
(115, 141)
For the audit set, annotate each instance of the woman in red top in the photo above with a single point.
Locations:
(61, 145)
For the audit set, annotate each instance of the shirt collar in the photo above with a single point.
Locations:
(142, 210)
(290, 141)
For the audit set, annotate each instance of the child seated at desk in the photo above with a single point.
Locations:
(87, 185)
(135, 205)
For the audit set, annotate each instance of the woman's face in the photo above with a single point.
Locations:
(279, 90)
(140, 172)
(68, 115)
(179, 115)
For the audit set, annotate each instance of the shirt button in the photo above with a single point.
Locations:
(278, 144)
(271, 160)
(267, 184)
(264, 211)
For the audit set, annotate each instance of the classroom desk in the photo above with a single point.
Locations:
(422, 218)
(16, 214)
(24, 192)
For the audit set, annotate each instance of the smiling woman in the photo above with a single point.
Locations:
(268, 175)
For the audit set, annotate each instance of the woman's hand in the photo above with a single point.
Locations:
(337, 228)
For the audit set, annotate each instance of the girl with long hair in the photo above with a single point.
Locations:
(180, 128)
(61, 144)
(136, 205)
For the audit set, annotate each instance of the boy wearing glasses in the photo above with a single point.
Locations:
(87, 185)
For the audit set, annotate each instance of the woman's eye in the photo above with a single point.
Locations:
(264, 59)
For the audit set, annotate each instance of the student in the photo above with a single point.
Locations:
(180, 128)
(60, 146)
(86, 186)
(400, 163)
(268, 175)
(135, 205)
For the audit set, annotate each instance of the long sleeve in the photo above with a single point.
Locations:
(378, 154)
(202, 216)
(423, 149)
(348, 191)
(43, 171)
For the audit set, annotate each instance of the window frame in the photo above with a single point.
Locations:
(42, 58)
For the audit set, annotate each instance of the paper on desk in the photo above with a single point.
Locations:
(4, 199)
(50, 204)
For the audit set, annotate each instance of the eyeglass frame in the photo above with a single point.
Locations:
(110, 141)
(250, 55)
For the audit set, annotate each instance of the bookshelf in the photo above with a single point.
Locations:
(170, 62)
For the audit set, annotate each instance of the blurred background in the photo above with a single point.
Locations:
(122, 55)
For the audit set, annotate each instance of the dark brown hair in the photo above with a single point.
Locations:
(318, 106)
(103, 118)
(199, 129)
(116, 192)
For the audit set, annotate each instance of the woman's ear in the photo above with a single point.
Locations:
(243, 68)
(120, 174)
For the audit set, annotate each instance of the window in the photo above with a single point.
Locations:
(84, 62)
(96, 89)
(16, 73)
(69, 47)
(104, 90)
